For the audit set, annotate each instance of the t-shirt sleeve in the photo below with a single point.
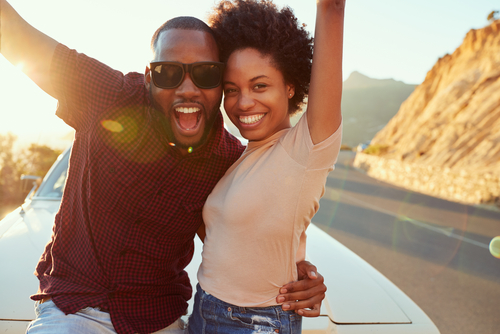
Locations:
(298, 143)
(84, 87)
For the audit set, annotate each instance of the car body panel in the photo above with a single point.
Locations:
(14, 327)
(367, 302)
(377, 302)
(20, 248)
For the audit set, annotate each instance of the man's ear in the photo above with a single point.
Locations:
(147, 77)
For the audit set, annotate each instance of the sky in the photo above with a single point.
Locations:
(399, 39)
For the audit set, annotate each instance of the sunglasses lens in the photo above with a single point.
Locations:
(207, 75)
(167, 75)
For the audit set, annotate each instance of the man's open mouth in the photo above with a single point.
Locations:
(188, 118)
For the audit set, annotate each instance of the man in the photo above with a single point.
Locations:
(147, 152)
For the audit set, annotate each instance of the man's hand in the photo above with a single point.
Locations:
(21, 43)
(305, 295)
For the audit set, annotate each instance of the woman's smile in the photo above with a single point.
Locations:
(251, 119)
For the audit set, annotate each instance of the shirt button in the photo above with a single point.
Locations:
(112, 170)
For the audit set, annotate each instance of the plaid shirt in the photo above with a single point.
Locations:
(131, 206)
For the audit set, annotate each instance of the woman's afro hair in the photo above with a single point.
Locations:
(258, 24)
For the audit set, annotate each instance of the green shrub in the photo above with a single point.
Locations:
(345, 147)
(376, 149)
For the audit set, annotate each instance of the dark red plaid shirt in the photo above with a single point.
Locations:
(131, 206)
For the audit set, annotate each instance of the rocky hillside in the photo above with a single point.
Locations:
(368, 104)
(451, 122)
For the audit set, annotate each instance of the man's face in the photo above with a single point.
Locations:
(190, 111)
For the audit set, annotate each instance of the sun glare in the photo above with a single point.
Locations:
(112, 126)
(495, 247)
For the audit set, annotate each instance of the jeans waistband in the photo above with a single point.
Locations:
(270, 310)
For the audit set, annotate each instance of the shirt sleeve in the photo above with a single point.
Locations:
(298, 144)
(84, 87)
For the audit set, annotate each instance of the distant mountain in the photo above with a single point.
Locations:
(368, 104)
(357, 80)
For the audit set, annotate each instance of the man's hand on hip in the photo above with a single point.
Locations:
(305, 295)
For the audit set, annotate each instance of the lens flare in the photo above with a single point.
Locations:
(112, 126)
(495, 247)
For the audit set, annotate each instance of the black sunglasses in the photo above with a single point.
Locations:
(170, 74)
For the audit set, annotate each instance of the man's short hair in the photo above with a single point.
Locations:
(181, 22)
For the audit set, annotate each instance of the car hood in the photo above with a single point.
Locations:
(23, 235)
(357, 293)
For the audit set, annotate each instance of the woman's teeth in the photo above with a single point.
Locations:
(251, 119)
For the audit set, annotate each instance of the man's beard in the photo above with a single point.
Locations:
(162, 123)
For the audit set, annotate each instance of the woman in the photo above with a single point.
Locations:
(257, 214)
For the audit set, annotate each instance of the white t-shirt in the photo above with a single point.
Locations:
(257, 215)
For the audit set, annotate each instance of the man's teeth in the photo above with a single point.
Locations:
(187, 110)
(251, 119)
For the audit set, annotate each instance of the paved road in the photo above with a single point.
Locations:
(434, 250)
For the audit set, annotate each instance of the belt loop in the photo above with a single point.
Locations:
(278, 310)
(45, 299)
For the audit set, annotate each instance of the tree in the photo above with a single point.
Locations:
(37, 159)
(10, 194)
(493, 15)
(34, 160)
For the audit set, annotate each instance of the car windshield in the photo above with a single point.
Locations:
(53, 184)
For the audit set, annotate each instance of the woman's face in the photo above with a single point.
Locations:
(256, 95)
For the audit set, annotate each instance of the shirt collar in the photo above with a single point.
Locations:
(215, 143)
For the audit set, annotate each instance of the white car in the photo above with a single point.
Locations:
(359, 298)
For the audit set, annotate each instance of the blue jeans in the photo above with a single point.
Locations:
(51, 320)
(213, 316)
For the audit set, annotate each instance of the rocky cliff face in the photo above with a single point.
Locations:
(452, 120)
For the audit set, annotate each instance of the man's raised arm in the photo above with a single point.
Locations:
(20, 43)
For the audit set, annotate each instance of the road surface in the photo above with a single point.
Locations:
(434, 250)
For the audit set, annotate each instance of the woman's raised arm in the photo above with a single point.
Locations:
(325, 92)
